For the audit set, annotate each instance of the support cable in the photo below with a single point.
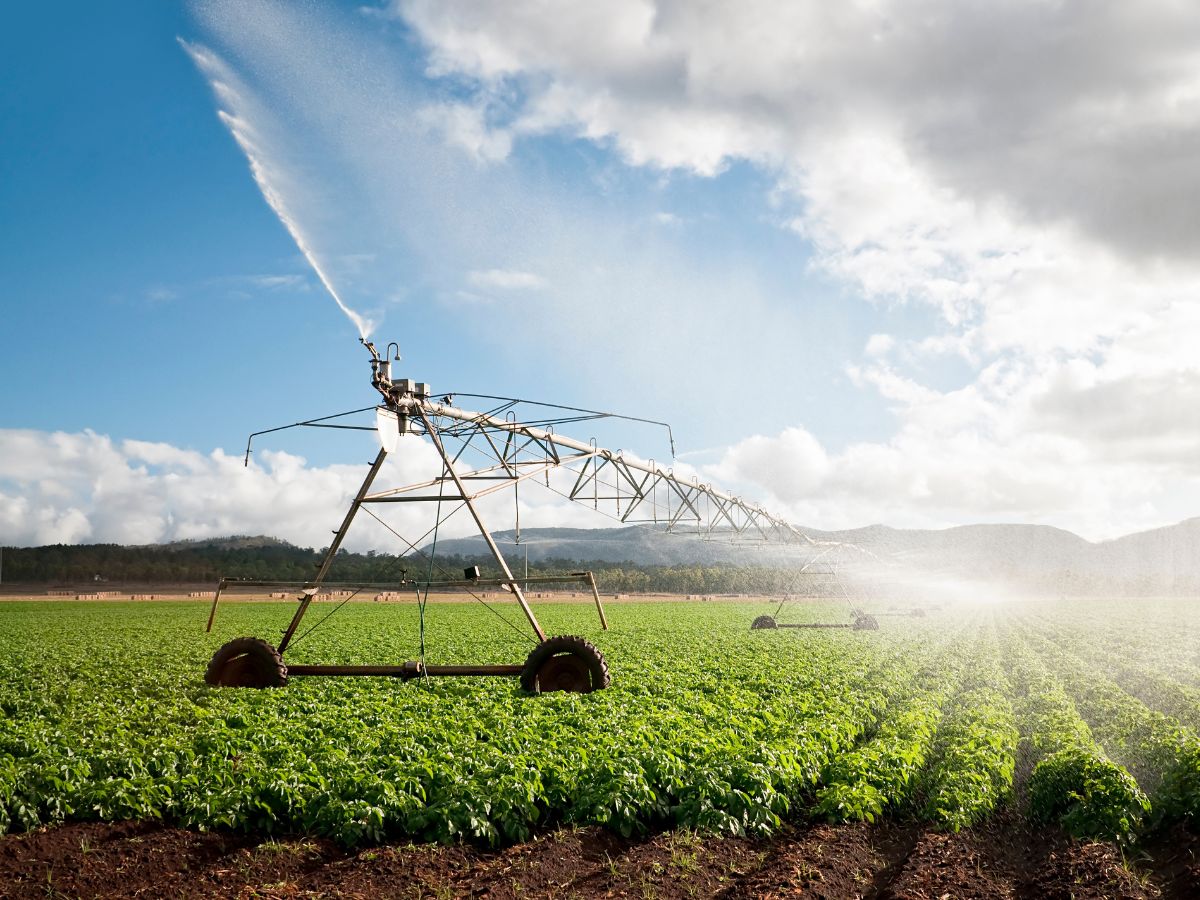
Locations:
(593, 412)
(326, 616)
(445, 571)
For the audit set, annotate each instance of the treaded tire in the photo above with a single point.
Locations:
(565, 663)
(763, 622)
(866, 623)
(246, 662)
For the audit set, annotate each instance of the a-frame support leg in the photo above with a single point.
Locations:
(310, 589)
(487, 535)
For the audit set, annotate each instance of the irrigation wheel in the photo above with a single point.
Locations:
(866, 623)
(565, 663)
(247, 662)
(763, 622)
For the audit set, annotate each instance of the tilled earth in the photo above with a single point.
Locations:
(1004, 859)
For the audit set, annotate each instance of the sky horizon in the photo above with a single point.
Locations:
(920, 265)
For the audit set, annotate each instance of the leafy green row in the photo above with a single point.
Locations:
(858, 785)
(1163, 755)
(103, 715)
(1072, 781)
(1138, 667)
(975, 752)
(1156, 639)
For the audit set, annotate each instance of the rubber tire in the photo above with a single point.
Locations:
(246, 662)
(566, 645)
(763, 622)
(866, 623)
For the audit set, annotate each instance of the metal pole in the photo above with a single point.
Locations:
(311, 591)
(212, 613)
(432, 431)
(599, 605)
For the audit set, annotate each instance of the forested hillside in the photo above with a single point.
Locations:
(266, 558)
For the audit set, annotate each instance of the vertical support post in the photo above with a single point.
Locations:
(212, 613)
(599, 605)
(311, 590)
(432, 431)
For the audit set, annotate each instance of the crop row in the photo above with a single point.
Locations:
(975, 753)
(1072, 781)
(1163, 754)
(1163, 639)
(103, 714)
(859, 784)
(707, 725)
(1137, 666)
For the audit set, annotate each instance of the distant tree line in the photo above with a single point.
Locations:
(202, 562)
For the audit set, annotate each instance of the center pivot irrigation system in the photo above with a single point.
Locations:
(480, 454)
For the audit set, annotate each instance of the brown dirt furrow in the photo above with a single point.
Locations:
(954, 865)
(1173, 857)
(824, 862)
(95, 859)
(1004, 859)
(1075, 871)
(1007, 858)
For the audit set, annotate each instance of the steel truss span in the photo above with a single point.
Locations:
(494, 454)
(481, 454)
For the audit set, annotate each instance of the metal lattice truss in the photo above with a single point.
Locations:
(489, 454)
(482, 454)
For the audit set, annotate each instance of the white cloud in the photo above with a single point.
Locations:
(1047, 106)
(59, 487)
(506, 279)
(792, 465)
(161, 294)
(1050, 446)
(272, 282)
(1023, 176)
(879, 345)
(465, 126)
(87, 488)
(1027, 171)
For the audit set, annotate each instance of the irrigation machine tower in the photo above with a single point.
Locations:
(481, 453)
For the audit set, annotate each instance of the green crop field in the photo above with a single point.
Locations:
(104, 715)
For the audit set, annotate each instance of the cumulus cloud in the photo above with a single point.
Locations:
(85, 487)
(506, 279)
(1018, 179)
(1100, 459)
(1046, 106)
(879, 345)
(465, 126)
(1027, 172)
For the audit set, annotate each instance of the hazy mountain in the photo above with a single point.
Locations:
(1021, 552)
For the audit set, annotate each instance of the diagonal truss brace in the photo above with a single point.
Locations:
(503, 452)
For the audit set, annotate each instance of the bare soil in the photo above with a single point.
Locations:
(1004, 859)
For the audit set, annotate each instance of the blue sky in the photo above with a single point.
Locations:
(134, 240)
(841, 256)
(140, 252)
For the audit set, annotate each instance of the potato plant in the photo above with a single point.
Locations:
(104, 715)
